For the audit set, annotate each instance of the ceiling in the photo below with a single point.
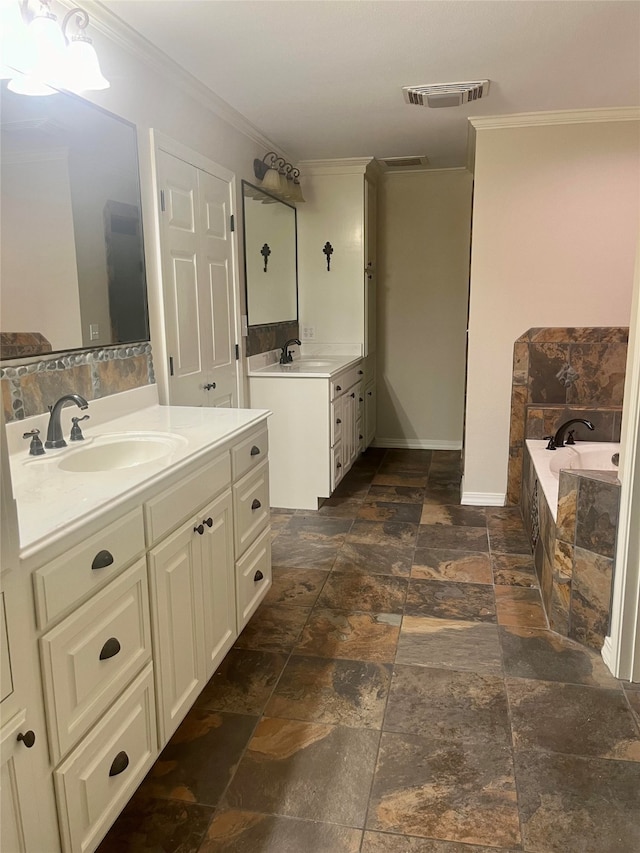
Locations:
(323, 78)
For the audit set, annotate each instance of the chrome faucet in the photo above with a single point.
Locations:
(285, 355)
(54, 429)
(557, 440)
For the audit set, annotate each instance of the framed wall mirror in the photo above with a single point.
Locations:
(72, 254)
(270, 257)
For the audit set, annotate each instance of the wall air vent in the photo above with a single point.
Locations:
(446, 94)
(417, 162)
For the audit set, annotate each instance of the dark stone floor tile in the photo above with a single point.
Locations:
(293, 550)
(453, 516)
(339, 692)
(441, 495)
(389, 534)
(312, 528)
(390, 511)
(450, 643)
(413, 479)
(295, 586)
(234, 831)
(445, 789)
(396, 494)
(273, 628)
(400, 457)
(355, 485)
(632, 693)
(508, 541)
(243, 682)
(204, 739)
(444, 478)
(520, 606)
(338, 507)
(578, 805)
(504, 518)
(364, 591)
(453, 538)
(572, 719)
(448, 705)
(148, 825)
(514, 570)
(280, 518)
(392, 559)
(547, 656)
(382, 842)
(306, 770)
(446, 565)
(351, 635)
(469, 601)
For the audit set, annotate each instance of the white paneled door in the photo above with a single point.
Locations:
(198, 284)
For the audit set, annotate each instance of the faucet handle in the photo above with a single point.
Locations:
(551, 440)
(570, 439)
(35, 448)
(76, 432)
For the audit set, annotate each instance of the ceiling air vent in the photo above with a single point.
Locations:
(446, 94)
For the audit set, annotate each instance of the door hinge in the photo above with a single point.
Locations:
(232, 222)
(162, 207)
(170, 365)
(237, 352)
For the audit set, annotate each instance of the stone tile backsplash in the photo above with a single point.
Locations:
(28, 389)
(272, 336)
(560, 373)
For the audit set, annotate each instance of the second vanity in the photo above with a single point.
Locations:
(317, 427)
(142, 578)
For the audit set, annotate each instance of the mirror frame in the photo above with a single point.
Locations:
(295, 319)
(87, 347)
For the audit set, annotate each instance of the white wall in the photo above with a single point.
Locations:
(555, 223)
(423, 278)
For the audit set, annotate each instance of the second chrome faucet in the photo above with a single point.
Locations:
(54, 429)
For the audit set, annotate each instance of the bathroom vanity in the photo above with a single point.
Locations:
(143, 554)
(317, 427)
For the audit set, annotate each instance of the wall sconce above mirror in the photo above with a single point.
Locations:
(270, 257)
(278, 177)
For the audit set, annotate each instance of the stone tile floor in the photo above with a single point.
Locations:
(398, 690)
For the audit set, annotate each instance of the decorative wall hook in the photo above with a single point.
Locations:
(265, 251)
(328, 251)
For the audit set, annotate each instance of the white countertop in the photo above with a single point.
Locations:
(52, 502)
(316, 366)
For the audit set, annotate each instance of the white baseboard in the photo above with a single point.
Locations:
(483, 498)
(607, 654)
(416, 444)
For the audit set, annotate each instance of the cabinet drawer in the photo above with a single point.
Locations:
(166, 511)
(250, 507)
(90, 657)
(253, 577)
(83, 570)
(249, 453)
(340, 383)
(124, 744)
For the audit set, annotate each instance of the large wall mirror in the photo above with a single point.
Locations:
(72, 258)
(270, 257)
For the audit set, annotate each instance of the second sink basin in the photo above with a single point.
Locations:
(114, 452)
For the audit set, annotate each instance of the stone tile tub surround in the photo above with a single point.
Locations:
(560, 373)
(29, 387)
(574, 554)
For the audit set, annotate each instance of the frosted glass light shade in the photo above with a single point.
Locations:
(16, 47)
(83, 69)
(48, 61)
(271, 181)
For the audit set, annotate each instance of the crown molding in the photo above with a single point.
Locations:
(555, 117)
(108, 24)
(344, 166)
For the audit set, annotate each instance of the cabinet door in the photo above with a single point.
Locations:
(218, 581)
(370, 413)
(21, 829)
(175, 579)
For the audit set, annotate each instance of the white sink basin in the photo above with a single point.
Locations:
(114, 452)
(311, 362)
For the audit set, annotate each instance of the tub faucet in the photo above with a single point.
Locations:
(285, 355)
(54, 430)
(557, 440)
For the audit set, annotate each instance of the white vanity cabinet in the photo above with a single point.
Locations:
(315, 428)
(130, 617)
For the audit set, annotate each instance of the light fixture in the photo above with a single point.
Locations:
(278, 177)
(38, 54)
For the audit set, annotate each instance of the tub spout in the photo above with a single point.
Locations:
(557, 440)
